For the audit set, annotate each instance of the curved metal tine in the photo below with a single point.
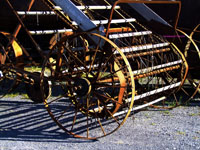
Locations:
(76, 59)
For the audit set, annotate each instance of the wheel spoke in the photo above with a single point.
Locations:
(64, 111)
(88, 100)
(74, 119)
(58, 98)
(107, 98)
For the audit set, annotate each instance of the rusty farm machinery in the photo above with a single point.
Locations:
(101, 63)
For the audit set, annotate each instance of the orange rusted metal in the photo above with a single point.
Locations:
(16, 48)
(148, 53)
(144, 74)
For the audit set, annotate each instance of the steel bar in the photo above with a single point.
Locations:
(141, 71)
(156, 72)
(129, 34)
(145, 70)
(144, 74)
(39, 32)
(156, 91)
(70, 31)
(148, 53)
(133, 109)
(97, 22)
(141, 106)
(90, 7)
(141, 47)
(58, 8)
(34, 13)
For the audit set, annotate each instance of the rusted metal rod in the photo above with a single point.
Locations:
(38, 48)
(148, 53)
(145, 74)
(141, 106)
(157, 72)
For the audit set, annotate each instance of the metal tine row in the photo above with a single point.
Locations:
(94, 86)
(153, 60)
(156, 59)
(136, 43)
(133, 44)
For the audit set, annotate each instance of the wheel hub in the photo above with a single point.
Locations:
(82, 86)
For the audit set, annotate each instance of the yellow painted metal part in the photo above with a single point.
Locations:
(188, 44)
(129, 70)
(123, 84)
(16, 47)
(190, 40)
(185, 64)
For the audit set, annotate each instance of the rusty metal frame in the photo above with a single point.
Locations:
(185, 64)
(145, 2)
(38, 48)
(17, 48)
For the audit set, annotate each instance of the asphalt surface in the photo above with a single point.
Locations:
(27, 126)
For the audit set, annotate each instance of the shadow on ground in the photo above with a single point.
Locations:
(22, 120)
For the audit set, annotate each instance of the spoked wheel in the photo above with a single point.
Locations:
(33, 90)
(8, 77)
(90, 86)
(192, 55)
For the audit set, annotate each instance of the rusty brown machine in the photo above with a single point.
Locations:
(101, 65)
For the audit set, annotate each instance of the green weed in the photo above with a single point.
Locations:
(153, 124)
(181, 133)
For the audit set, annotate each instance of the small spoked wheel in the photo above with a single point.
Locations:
(33, 89)
(90, 86)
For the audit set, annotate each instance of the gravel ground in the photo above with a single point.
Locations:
(27, 126)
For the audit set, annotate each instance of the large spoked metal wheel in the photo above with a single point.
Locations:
(33, 89)
(90, 86)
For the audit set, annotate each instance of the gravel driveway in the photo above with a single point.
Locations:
(27, 126)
